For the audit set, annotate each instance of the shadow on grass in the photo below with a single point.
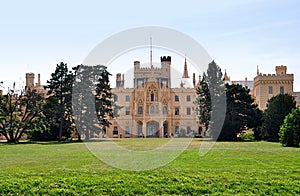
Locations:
(23, 142)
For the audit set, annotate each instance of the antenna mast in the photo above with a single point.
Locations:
(151, 52)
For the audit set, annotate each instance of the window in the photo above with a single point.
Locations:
(270, 90)
(127, 131)
(177, 111)
(140, 130)
(115, 98)
(188, 130)
(127, 98)
(281, 90)
(140, 110)
(152, 97)
(188, 111)
(177, 130)
(115, 132)
(152, 109)
(176, 98)
(127, 111)
(188, 98)
(165, 110)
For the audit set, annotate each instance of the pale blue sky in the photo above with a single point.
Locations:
(36, 35)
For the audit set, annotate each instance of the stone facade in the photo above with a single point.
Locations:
(269, 85)
(152, 108)
(30, 85)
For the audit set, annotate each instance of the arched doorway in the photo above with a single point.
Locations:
(152, 129)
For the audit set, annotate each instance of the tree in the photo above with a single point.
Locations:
(84, 100)
(92, 98)
(19, 114)
(105, 106)
(60, 90)
(241, 112)
(277, 108)
(290, 130)
(203, 102)
(214, 102)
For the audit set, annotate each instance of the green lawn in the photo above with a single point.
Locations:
(249, 168)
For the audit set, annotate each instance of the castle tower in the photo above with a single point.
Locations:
(137, 65)
(29, 81)
(118, 80)
(166, 68)
(281, 70)
(185, 70)
(269, 85)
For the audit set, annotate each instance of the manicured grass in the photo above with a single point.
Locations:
(249, 168)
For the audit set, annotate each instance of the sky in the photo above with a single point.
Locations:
(239, 35)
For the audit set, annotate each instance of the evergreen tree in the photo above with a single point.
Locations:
(106, 108)
(92, 98)
(277, 108)
(203, 102)
(214, 101)
(60, 92)
(241, 112)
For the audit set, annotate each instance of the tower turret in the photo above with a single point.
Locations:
(29, 81)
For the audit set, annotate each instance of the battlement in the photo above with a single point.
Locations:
(165, 58)
(281, 70)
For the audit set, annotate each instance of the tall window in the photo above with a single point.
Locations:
(177, 130)
(165, 110)
(177, 111)
(115, 132)
(281, 90)
(127, 130)
(176, 98)
(140, 129)
(115, 98)
(188, 130)
(152, 109)
(188, 111)
(270, 89)
(188, 98)
(140, 110)
(127, 98)
(127, 111)
(152, 97)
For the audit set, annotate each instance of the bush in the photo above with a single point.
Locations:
(289, 132)
(247, 136)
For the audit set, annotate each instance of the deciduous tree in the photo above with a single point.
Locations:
(290, 130)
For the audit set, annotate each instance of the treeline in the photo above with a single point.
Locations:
(54, 116)
(232, 104)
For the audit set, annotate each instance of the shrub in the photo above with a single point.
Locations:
(289, 132)
(249, 135)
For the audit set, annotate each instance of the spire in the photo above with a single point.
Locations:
(226, 77)
(185, 71)
(257, 70)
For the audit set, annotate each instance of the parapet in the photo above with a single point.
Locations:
(165, 58)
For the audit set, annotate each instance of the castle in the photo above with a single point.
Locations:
(152, 108)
